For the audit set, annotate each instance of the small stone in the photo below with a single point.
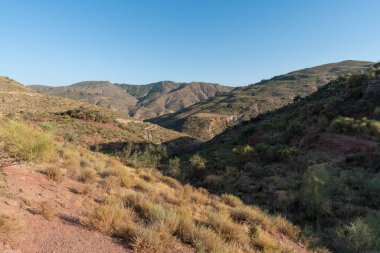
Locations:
(12, 203)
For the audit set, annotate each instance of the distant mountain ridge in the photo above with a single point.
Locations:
(138, 101)
(206, 119)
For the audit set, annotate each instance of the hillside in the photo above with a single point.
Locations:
(58, 196)
(206, 119)
(138, 101)
(316, 161)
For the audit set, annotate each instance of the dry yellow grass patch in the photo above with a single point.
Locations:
(10, 227)
(47, 210)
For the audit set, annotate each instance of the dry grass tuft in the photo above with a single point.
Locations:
(47, 210)
(154, 238)
(87, 175)
(9, 227)
(222, 223)
(54, 173)
(109, 218)
(85, 189)
(231, 200)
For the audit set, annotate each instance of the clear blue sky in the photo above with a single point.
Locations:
(234, 42)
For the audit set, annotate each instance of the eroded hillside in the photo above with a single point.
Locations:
(138, 101)
(206, 119)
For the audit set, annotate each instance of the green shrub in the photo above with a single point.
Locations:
(356, 237)
(88, 114)
(48, 126)
(256, 169)
(274, 153)
(144, 155)
(197, 162)
(23, 142)
(372, 189)
(294, 128)
(362, 126)
(243, 152)
(315, 192)
(174, 168)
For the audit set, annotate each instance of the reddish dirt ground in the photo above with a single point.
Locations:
(25, 191)
(343, 144)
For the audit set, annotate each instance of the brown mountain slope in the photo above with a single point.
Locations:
(207, 119)
(138, 101)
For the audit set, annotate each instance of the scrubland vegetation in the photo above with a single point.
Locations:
(148, 210)
(315, 161)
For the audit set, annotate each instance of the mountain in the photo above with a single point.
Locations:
(88, 124)
(58, 193)
(206, 119)
(138, 101)
(315, 161)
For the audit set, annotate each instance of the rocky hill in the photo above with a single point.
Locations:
(206, 119)
(138, 101)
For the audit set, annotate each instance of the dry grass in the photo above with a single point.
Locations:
(154, 238)
(222, 223)
(10, 227)
(231, 200)
(47, 210)
(85, 189)
(153, 212)
(109, 218)
(54, 173)
(87, 175)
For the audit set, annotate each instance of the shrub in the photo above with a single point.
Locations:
(23, 142)
(294, 128)
(315, 192)
(89, 115)
(243, 152)
(362, 126)
(197, 166)
(197, 162)
(148, 156)
(274, 153)
(256, 169)
(372, 189)
(174, 169)
(356, 236)
(48, 126)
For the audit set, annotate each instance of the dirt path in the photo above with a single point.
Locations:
(25, 191)
(342, 144)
